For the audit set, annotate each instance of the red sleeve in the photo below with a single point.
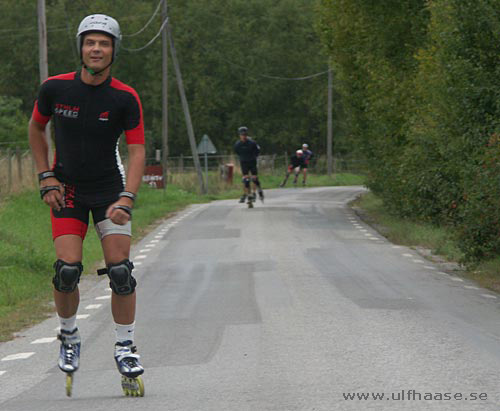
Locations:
(39, 117)
(133, 124)
(136, 135)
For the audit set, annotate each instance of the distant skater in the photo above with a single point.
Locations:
(307, 154)
(296, 164)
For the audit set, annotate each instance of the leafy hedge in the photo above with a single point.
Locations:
(419, 81)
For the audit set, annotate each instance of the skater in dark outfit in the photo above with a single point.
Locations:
(296, 164)
(90, 110)
(308, 155)
(248, 151)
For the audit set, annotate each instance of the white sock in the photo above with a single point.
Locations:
(67, 324)
(124, 332)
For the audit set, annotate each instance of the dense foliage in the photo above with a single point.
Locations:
(420, 85)
(225, 50)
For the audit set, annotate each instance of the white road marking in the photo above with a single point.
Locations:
(103, 297)
(158, 236)
(145, 250)
(82, 316)
(418, 261)
(459, 280)
(140, 257)
(373, 238)
(46, 340)
(150, 245)
(396, 247)
(368, 235)
(2, 372)
(93, 306)
(154, 241)
(488, 296)
(407, 255)
(440, 272)
(471, 287)
(429, 267)
(20, 356)
(137, 263)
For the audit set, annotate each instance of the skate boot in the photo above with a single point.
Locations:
(243, 198)
(261, 195)
(303, 183)
(127, 362)
(69, 356)
(250, 200)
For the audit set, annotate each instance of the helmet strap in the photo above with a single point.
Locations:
(93, 72)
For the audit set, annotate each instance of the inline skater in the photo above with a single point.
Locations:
(296, 164)
(248, 151)
(307, 154)
(90, 110)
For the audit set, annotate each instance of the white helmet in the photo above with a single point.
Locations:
(100, 23)
(305, 145)
(299, 152)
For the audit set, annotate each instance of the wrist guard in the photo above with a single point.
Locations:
(128, 210)
(127, 194)
(45, 190)
(45, 174)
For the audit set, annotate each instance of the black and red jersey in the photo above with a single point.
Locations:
(88, 123)
(247, 150)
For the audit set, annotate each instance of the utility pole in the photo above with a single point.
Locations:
(43, 60)
(185, 108)
(329, 137)
(164, 117)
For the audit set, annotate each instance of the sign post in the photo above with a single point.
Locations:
(206, 147)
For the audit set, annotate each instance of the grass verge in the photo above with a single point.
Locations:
(440, 240)
(27, 252)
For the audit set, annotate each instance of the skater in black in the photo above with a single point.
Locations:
(297, 163)
(248, 151)
(90, 110)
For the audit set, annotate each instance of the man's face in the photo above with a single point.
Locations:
(304, 148)
(97, 51)
(243, 137)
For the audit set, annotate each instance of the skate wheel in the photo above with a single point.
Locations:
(133, 387)
(69, 384)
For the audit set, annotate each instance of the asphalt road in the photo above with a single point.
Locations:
(293, 305)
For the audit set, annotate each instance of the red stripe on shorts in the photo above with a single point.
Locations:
(63, 226)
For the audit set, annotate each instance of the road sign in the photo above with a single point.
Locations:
(206, 146)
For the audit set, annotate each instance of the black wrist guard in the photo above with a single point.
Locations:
(127, 194)
(46, 174)
(45, 190)
(128, 210)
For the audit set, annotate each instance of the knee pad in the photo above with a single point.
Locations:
(246, 182)
(120, 276)
(67, 276)
(256, 181)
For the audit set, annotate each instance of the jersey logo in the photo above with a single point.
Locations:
(66, 110)
(104, 116)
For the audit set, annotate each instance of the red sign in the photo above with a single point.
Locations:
(153, 176)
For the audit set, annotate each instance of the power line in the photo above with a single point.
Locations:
(267, 75)
(150, 41)
(148, 23)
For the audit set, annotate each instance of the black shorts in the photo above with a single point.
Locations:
(249, 167)
(73, 218)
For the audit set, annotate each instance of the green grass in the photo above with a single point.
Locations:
(440, 240)
(27, 252)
